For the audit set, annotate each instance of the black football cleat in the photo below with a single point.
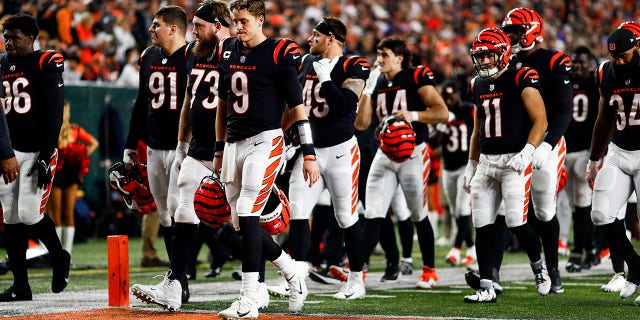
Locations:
(61, 264)
(16, 294)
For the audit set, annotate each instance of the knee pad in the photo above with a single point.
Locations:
(606, 179)
(246, 200)
(514, 218)
(346, 219)
(600, 214)
(542, 181)
(482, 218)
(186, 215)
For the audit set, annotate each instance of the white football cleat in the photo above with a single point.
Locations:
(167, 293)
(351, 290)
(262, 299)
(298, 286)
(243, 308)
(615, 284)
(279, 290)
(628, 290)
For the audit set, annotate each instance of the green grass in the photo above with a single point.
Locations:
(583, 299)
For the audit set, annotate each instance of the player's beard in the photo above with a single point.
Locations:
(203, 48)
(625, 71)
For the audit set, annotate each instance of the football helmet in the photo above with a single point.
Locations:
(490, 41)
(132, 183)
(631, 26)
(275, 217)
(210, 202)
(396, 139)
(525, 26)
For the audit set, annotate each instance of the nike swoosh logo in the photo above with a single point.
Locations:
(58, 65)
(241, 315)
(296, 56)
(60, 85)
(258, 143)
(534, 81)
(413, 157)
(364, 69)
(567, 68)
(338, 156)
(567, 81)
(348, 295)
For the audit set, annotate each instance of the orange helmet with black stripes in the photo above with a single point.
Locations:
(210, 202)
(631, 26)
(525, 28)
(275, 217)
(490, 41)
(396, 139)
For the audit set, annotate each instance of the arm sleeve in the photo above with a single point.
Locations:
(138, 122)
(6, 151)
(561, 116)
(342, 99)
(54, 108)
(291, 86)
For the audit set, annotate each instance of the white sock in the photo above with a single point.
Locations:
(284, 264)
(249, 284)
(59, 233)
(69, 233)
(356, 277)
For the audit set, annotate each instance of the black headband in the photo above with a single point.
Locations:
(325, 29)
(205, 12)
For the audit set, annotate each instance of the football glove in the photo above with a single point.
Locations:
(442, 127)
(370, 84)
(324, 67)
(540, 155)
(452, 117)
(522, 159)
(181, 153)
(592, 171)
(43, 170)
(130, 156)
(469, 172)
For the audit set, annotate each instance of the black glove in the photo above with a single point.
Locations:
(44, 173)
(291, 136)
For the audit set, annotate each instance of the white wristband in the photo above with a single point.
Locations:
(414, 116)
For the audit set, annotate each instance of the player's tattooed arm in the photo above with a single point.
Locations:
(355, 85)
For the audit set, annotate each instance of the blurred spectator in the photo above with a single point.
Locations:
(129, 75)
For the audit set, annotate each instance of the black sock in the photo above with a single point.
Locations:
(405, 230)
(17, 241)
(485, 250)
(426, 242)
(184, 240)
(549, 233)
(463, 232)
(582, 227)
(251, 243)
(372, 234)
(354, 243)
(231, 239)
(45, 230)
(270, 249)
(299, 239)
(167, 233)
(529, 240)
(334, 242)
(619, 244)
(503, 236)
(388, 241)
(616, 262)
(321, 219)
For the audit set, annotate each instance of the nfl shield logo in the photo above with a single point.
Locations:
(12, 68)
(627, 82)
(612, 46)
(243, 59)
(491, 87)
(164, 61)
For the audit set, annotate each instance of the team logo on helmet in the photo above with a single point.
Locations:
(495, 43)
(210, 202)
(132, 183)
(531, 25)
(396, 139)
(275, 217)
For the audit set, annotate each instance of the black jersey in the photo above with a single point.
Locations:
(401, 93)
(34, 93)
(156, 113)
(331, 125)
(554, 68)
(621, 102)
(583, 115)
(504, 121)
(204, 79)
(455, 142)
(257, 84)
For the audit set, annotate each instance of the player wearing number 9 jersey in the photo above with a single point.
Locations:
(332, 84)
(509, 123)
(259, 80)
(156, 113)
(409, 93)
(617, 131)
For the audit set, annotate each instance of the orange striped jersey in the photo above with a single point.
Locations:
(257, 84)
(503, 121)
(34, 92)
(401, 93)
(331, 125)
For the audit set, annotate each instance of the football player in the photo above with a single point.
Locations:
(9, 166)
(258, 81)
(34, 99)
(525, 29)
(455, 154)
(331, 86)
(583, 117)
(409, 93)
(211, 22)
(509, 123)
(615, 132)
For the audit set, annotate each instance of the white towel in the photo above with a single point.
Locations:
(228, 170)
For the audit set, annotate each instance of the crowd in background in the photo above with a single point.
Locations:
(102, 38)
